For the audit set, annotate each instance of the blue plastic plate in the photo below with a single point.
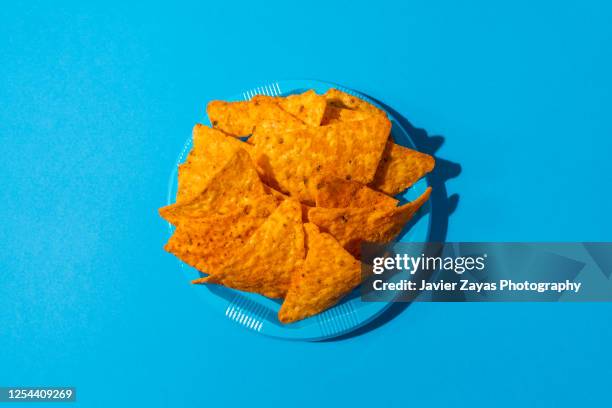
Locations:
(259, 313)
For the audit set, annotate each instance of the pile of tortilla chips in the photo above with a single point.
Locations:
(283, 213)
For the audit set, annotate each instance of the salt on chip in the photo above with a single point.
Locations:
(209, 241)
(268, 260)
(352, 226)
(342, 99)
(329, 273)
(211, 150)
(237, 184)
(293, 161)
(240, 118)
(309, 107)
(333, 192)
(399, 168)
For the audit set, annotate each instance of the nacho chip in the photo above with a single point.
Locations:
(342, 99)
(240, 118)
(335, 114)
(211, 150)
(215, 142)
(333, 192)
(351, 226)
(191, 181)
(280, 197)
(235, 185)
(292, 162)
(399, 168)
(329, 273)
(269, 258)
(309, 107)
(270, 126)
(209, 241)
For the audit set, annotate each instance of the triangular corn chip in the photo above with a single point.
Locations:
(399, 168)
(269, 258)
(240, 118)
(329, 273)
(342, 99)
(351, 226)
(191, 181)
(292, 162)
(235, 185)
(309, 107)
(209, 241)
(333, 192)
(335, 114)
(211, 150)
(280, 197)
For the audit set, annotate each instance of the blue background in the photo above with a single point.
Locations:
(97, 100)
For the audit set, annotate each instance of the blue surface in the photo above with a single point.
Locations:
(91, 101)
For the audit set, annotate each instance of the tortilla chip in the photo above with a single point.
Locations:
(191, 181)
(215, 142)
(211, 150)
(269, 258)
(292, 162)
(399, 168)
(335, 114)
(329, 273)
(235, 185)
(209, 241)
(309, 107)
(280, 197)
(341, 99)
(351, 226)
(333, 192)
(240, 118)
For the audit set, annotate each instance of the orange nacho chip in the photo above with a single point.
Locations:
(235, 185)
(351, 226)
(335, 114)
(191, 181)
(240, 118)
(282, 196)
(211, 150)
(400, 168)
(215, 143)
(333, 192)
(212, 239)
(309, 107)
(269, 258)
(342, 99)
(293, 161)
(329, 273)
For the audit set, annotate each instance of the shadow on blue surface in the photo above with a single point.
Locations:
(442, 205)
